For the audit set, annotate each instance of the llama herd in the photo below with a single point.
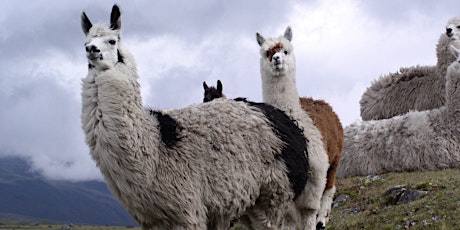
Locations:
(267, 164)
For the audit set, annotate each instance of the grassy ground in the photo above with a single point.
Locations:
(367, 208)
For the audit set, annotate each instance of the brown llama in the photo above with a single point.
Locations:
(331, 129)
(329, 125)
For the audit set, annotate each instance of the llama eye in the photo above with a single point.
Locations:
(267, 54)
(285, 52)
(112, 42)
(458, 27)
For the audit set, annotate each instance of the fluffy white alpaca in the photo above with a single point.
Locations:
(414, 88)
(277, 66)
(193, 168)
(416, 141)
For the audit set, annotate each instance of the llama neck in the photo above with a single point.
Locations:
(280, 91)
(453, 92)
(113, 120)
(443, 54)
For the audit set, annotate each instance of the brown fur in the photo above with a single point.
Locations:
(275, 49)
(331, 129)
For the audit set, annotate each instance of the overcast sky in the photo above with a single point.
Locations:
(340, 46)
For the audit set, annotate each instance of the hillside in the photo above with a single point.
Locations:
(372, 205)
(25, 196)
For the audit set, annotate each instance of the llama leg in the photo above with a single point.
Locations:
(309, 202)
(269, 208)
(291, 219)
(325, 210)
(219, 223)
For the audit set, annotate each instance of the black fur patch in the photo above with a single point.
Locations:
(120, 57)
(169, 129)
(294, 152)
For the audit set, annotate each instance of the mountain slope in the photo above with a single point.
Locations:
(25, 196)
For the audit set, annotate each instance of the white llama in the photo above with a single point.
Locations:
(193, 168)
(413, 88)
(277, 66)
(416, 141)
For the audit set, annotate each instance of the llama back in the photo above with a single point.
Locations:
(416, 141)
(326, 120)
(416, 88)
(221, 137)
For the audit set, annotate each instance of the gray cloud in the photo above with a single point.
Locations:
(340, 49)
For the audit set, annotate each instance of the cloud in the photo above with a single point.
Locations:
(41, 121)
(340, 48)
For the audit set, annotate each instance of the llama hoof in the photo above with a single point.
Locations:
(320, 226)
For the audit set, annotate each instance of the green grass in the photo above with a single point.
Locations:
(368, 209)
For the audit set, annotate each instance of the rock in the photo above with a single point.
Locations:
(366, 181)
(400, 195)
(340, 199)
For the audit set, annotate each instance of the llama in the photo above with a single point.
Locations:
(211, 93)
(191, 168)
(329, 125)
(277, 66)
(414, 88)
(331, 130)
(416, 141)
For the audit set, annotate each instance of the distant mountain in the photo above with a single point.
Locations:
(27, 196)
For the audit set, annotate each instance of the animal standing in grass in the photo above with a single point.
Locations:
(414, 88)
(331, 130)
(191, 168)
(320, 124)
(415, 141)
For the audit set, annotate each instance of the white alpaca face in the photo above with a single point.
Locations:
(102, 51)
(102, 43)
(277, 56)
(453, 27)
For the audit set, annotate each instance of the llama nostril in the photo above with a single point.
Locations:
(449, 31)
(92, 49)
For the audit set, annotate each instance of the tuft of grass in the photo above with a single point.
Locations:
(368, 208)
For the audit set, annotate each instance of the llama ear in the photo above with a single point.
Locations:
(454, 51)
(260, 39)
(288, 33)
(219, 86)
(115, 20)
(85, 23)
(204, 85)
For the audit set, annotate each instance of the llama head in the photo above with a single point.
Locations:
(276, 54)
(211, 93)
(102, 43)
(453, 27)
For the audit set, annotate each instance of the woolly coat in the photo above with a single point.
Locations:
(414, 88)
(328, 123)
(416, 141)
(279, 89)
(196, 167)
